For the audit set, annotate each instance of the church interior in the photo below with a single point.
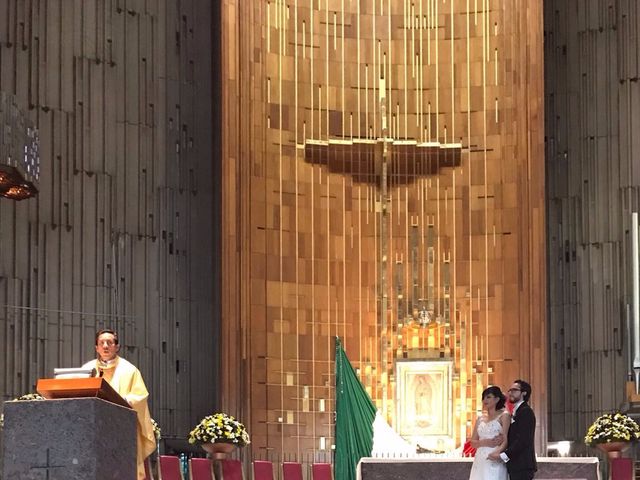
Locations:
(446, 186)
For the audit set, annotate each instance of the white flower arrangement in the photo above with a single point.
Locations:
(612, 427)
(220, 428)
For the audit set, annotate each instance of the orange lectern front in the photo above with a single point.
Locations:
(56, 388)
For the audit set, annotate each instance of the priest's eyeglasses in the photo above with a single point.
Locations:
(108, 343)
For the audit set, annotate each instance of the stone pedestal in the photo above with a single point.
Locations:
(72, 439)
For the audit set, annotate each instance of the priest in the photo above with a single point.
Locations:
(125, 379)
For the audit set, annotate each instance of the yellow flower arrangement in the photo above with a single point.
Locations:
(220, 428)
(612, 427)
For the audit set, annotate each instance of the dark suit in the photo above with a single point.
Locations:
(520, 449)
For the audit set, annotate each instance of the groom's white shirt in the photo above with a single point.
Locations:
(503, 455)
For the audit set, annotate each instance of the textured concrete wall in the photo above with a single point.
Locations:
(593, 174)
(121, 234)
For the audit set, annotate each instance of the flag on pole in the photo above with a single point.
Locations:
(355, 414)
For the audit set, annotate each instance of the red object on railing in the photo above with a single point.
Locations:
(468, 450)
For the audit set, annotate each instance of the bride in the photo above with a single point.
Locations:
(489, 435)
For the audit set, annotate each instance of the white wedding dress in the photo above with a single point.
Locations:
(483, 468)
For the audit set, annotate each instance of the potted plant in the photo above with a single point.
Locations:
(612, 433)
(219, 434)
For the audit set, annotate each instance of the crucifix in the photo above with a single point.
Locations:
(388, 163)
(47, 466)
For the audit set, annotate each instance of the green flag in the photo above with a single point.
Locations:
(355, 413)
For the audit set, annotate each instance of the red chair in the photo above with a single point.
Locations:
(321, 471)
(621, 468)
(169, 468)
(291, 471)
(200, 469)
(147, 470)
(232, 470)
(262, 470)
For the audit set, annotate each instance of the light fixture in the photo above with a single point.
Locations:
(19, 153)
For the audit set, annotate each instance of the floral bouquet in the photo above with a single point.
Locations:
(27, 396)
(612, 427)
(157, 432)
(220, 428)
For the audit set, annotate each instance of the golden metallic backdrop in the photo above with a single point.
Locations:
(390, 196)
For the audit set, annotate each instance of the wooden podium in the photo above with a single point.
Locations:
(97, 387)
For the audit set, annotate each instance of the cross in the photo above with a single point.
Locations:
(378, 162)
(371, 161)
(47, 467)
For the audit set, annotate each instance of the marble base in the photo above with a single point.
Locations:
(460, 468)
(71, 439)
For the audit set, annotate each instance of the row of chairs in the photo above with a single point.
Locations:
(202, 469)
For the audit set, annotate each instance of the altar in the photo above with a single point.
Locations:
(457, 468)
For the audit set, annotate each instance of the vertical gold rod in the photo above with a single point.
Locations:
(472, 354)
(377, 331)
(407, 273)
(313, 249)
(335, 31)
(359, 67)
(430, 17)
(419, 92)
(388, 76)
(413, 40)
(376, 76)
(453, 79)
(485, 38)
(327, 84)
(406, 107)
(437, 136)
(423, 256)
(374, 193)
(366, 102)
(344, 206)
(328, 180)
(455, 331)
(298, 393)
(280, 205)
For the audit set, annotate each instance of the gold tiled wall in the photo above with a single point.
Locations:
(384, 182)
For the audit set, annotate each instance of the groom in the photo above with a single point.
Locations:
(520, 455)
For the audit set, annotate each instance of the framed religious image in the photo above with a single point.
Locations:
(423, 398)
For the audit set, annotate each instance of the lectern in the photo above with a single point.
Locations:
(83, 431)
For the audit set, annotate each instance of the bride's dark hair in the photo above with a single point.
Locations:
(496, 392)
